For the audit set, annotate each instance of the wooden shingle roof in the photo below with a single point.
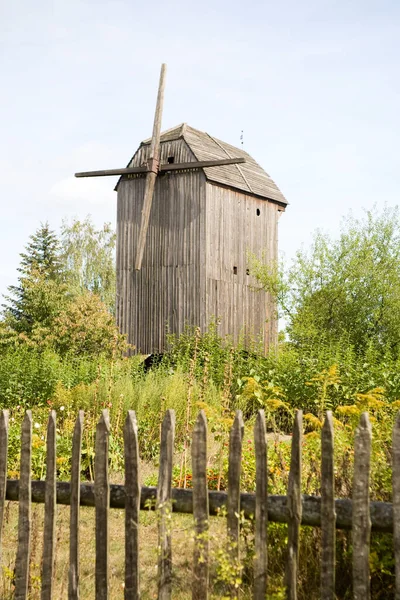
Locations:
(249, 176)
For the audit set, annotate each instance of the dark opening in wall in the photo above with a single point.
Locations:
(258, 212)
(235, 270)
(171, 160)
(247, 271)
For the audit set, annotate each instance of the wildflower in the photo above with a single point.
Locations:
(62, 407)
(37, 426)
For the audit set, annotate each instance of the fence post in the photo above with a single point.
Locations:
(328, 514)
(24, 516)
(164, 506)
(294, 508)
(73, 574)
(361, 515)
(102, 502)
(261, 516)
(233, 501)
(261, 522)
(200, 509)
(396, 501)
(132, 507)
(50, 507)
(4, 418)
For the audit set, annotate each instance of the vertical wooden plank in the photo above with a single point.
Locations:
(4, 419)
(233, 501)
(132, 507)
(102, 504)
(361, 524)
(261, 522)
(294, 508)
(73, 574)
(328, 514)
(164, 507)
(24, 516)
(396, 501)
(50, 503)
(200, 509)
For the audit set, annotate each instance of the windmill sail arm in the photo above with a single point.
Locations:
(153, 166)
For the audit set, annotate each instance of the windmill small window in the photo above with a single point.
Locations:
(171, 160)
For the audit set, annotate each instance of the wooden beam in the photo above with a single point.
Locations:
(202, 164)
(151, 175)
(182, 502)
(163, 168)
(109, 172)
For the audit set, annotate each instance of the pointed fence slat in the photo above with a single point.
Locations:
(328, 515)
(361, 531)
(75, 487)
(102, 504)
(233, 502)
(4, 419)
(164, 507)
(356, 513)
(261, 521)
(396, 502)
(294, 506)
(50, 504)
(24, 516)
(200, 509)
(132, 507)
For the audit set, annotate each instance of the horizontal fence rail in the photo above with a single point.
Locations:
(381, 513)
(358, 513)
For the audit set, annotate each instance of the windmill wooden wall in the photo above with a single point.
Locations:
(194, 263)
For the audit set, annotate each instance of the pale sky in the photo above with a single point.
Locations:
(315, 86)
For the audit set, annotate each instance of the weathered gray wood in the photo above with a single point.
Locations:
(102, 504)
(261, 514)
(4, 419)
(132, 507)
(233, 502)
(152, 174)
(49, 534)
(164, 507)
(197, 164)
(74, 488)
(396, 501)
(24, 515)
(111, 172)
(361, 530)
(200, 509)
(294, 508)
(328, 516)
(182, 502)
(186, 274)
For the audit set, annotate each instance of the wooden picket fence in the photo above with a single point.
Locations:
(358, 513)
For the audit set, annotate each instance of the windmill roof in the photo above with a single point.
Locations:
(249, 176)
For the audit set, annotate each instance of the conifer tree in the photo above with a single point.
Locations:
(39, 292)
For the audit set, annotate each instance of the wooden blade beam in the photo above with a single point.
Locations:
(153, 165)
(202, 164)
(163, 168)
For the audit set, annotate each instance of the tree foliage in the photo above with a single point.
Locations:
(40, 293)
(88, 256)
(346, 288)
(86, 327)
(65, 293)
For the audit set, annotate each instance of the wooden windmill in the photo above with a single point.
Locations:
(153, 168)
(190, 207)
